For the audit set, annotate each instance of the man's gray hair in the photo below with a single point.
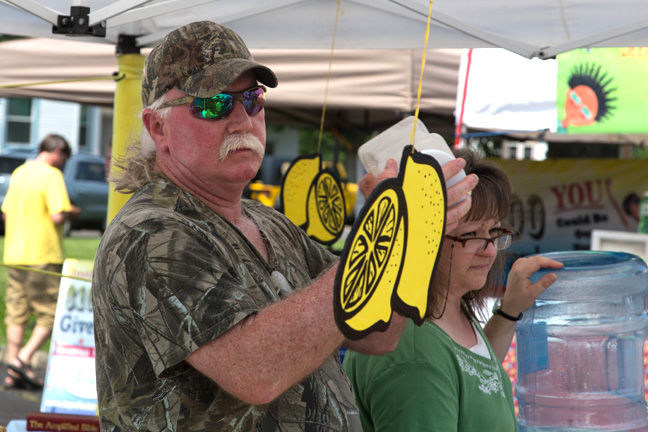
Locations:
(136, 167)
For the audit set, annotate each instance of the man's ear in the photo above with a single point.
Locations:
(58, 152)
(154, 124)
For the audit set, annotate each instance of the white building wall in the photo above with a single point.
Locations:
(94, 130)
(534, 150)
(57, 117)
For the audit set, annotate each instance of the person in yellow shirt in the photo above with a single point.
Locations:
(34, 209)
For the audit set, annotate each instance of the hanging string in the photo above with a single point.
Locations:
(328, 78)
(420, 84)
(116, 78)
(45, 272)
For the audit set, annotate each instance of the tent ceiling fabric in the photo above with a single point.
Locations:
(527, 27)
(368, 89)
(29, 61)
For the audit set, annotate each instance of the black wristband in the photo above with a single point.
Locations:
(503, 314)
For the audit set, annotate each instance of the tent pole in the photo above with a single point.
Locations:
(126, 120)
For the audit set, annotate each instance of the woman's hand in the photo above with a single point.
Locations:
(520, 292)
(519, 296)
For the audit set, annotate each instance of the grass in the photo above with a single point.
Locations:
(73, 247)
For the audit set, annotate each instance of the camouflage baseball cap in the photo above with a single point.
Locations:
(201, 59)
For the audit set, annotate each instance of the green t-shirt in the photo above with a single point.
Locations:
(430, 383)
(170, 276)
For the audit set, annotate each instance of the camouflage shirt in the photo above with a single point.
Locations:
(172, 275)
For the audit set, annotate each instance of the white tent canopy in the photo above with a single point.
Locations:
(500, 90)
(527, 27)
(368, 89)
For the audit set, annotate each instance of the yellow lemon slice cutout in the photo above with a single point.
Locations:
(391, 253)
(326, 208)
(370, 265)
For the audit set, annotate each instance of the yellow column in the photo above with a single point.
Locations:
(126, 121)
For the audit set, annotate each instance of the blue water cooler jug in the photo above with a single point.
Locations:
(580, 346)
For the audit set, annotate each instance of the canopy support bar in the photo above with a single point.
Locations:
(35, 8)
(595, 39)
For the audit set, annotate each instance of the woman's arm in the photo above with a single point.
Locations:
(519, 296)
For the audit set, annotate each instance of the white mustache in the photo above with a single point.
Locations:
(240, 141)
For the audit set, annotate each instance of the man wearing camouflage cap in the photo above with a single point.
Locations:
(213, 312)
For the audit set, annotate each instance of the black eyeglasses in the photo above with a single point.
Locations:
(222, 105)
(479, 244)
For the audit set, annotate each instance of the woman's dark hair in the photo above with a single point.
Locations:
(490, 200)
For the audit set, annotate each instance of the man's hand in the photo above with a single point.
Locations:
(369, 182)
(74, 212)
(460, 190)
(59, 218)
(463, 189)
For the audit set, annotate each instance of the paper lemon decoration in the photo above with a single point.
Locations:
(390, 255)
(312, 198)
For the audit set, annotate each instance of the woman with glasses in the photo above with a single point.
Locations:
(446, 375)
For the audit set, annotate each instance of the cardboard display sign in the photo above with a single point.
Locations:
(70, 378)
